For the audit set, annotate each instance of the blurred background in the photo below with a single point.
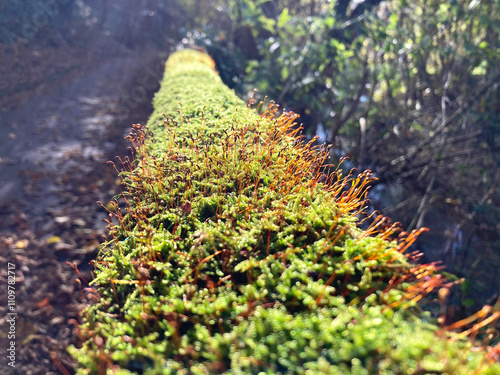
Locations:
(407, 89)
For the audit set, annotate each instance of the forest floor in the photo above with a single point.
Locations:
(64, 112)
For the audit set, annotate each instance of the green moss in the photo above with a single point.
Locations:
(236, 256)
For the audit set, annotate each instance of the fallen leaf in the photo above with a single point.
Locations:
(43, 303)
(61, 246)
(80, 222)
(22, 244)
(54, 239)
(61, 219)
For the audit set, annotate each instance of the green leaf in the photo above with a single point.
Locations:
(284, 18)
(393, 20)
(284, 72)
(267, 23)
(251, 6)
(329, 22)
(483, 44)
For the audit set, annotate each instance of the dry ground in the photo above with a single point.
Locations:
(63, 114)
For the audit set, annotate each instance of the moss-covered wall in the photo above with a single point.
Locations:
(232, 252)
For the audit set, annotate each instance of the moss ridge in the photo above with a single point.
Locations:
(235, 253)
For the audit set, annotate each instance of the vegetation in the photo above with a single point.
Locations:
(407, 89)
(236, 253)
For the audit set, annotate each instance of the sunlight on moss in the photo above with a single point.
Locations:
(236, 253)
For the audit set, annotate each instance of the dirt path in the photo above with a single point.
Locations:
(57, 136)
